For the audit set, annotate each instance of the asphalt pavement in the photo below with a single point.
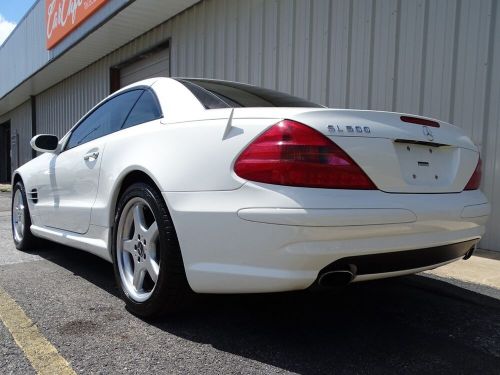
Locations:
(417, 324)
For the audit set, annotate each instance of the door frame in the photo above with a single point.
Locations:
(5, 152)
(114, 71)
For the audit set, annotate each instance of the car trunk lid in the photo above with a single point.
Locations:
(400, 156)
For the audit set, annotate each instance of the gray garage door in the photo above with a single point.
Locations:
(154, 64)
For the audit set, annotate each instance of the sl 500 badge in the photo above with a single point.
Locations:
(348, 129)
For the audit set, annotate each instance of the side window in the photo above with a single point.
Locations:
(106, 119)
(146, 109)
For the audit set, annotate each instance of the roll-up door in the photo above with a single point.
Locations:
(155, 64)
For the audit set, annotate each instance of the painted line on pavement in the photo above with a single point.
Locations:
(42, 355)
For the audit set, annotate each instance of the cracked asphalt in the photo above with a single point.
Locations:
(417, 324)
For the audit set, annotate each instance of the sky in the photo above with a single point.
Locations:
(11, 12)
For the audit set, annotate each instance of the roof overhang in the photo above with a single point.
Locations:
(120, 27)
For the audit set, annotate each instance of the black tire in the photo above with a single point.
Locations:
(171, 292)
(28, 242)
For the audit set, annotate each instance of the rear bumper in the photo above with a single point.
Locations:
(265, 238)
(365, 266)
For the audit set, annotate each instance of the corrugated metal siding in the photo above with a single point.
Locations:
(60, 107)
(17, 63)
(491, 147)
(435, 58)
(20, 123)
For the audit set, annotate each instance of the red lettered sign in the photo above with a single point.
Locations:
(64, 16)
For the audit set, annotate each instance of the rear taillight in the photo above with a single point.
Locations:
(475, 180)
(293, 154)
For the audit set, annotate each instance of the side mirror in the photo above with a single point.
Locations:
(44, 143)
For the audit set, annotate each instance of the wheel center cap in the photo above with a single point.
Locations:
(140, 249)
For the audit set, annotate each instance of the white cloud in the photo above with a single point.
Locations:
(5, 29)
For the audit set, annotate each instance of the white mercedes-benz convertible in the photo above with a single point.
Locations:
(220, 187)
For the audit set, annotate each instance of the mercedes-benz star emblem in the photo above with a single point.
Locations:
(428, 133)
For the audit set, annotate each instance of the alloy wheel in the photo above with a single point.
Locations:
(18, 215)
(138, 252)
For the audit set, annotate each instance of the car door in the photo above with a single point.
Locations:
(72, 178)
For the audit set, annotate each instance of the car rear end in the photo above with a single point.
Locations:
(320, 202)
(326, 196)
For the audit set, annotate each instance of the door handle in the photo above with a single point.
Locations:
(91, 155)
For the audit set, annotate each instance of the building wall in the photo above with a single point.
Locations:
(434, 58)
(60, 107)
(491, 146)
(20, 123)
(17, 63)
(24, 52)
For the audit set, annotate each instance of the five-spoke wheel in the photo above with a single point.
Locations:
(18, 212)
(137, 249)
(146, 254)
(21, 220)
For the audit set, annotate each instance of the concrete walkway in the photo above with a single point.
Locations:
(482, 268)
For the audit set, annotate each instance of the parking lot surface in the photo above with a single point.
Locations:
(416, 324)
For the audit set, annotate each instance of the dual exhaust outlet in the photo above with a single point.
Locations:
(342, 275)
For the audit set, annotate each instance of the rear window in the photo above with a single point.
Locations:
(145, 109)
(223, 94)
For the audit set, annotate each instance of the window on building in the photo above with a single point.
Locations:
(145, 109)
(222, 94)
(106, 119)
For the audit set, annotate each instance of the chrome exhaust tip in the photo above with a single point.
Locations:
(336, 278)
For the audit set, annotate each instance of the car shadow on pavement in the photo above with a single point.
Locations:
(410, 324)
(85, 265)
